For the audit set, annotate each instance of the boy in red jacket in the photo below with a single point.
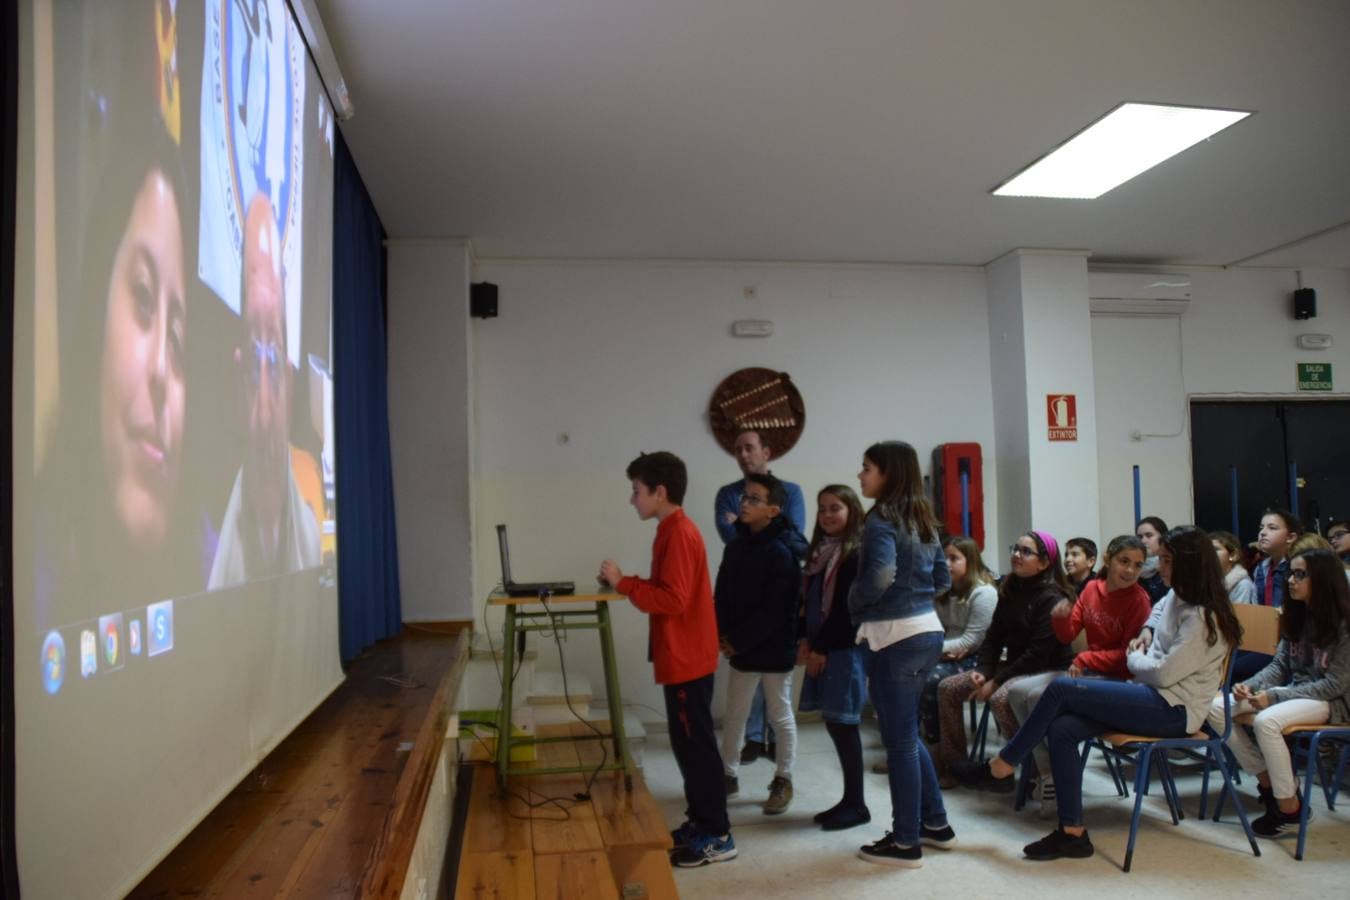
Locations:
(683, 649)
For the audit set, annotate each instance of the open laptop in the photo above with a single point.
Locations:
(526, 589)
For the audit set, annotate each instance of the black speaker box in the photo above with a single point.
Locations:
(483, 300)
(1305, 303)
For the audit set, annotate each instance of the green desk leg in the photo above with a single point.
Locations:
(504, 714)
(612, 692)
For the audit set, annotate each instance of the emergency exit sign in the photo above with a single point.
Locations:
(1314, 376)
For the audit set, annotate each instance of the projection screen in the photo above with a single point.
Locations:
(175, 604)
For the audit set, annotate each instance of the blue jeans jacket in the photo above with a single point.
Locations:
(898, 575)
(1279, 575)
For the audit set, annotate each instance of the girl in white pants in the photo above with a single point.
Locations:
(1307, 683)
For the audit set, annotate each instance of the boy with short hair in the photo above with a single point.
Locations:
(757, 597)
(1338, 533)
(683, 649)
(1080, 558)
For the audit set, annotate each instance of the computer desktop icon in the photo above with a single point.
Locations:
(88, 653)
(159, 625)
(134, 637)
(53, 662)
(110, 635)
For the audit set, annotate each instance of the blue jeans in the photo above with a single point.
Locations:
(1074, 709)
(896, 675)
(755, 729)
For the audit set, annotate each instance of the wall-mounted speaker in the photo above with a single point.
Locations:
(483, 300)
(1305, 303)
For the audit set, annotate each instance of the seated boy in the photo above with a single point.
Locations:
(757, 595)
(1338, 533)
(1080, 559)
(683, 649)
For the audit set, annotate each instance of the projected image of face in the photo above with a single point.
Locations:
(142, 397)
(266, 374)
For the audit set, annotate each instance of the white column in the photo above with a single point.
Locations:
(1040, 337)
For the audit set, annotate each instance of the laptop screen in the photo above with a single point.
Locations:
(506, 555)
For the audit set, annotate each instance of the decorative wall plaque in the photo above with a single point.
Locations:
(759, 399)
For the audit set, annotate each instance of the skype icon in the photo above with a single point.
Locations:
(159, 628)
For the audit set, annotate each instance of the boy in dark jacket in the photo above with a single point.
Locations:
(757, 595)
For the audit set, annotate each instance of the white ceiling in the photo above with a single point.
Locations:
(868, 130)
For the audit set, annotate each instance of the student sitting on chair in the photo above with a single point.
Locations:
(1235, 577)
(1110, 611)
(1022, 631)
(1307, 683)
(1178, 664)
(1080, 559)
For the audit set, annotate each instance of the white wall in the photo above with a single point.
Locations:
(1236, 340)
(624, 358)
(429, 386)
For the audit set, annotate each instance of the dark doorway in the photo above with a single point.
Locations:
(1260, 441)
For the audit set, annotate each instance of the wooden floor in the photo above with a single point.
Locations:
(333, 811)
(614, 844)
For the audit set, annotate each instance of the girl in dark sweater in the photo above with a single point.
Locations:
(835, 683)
(1023, 629)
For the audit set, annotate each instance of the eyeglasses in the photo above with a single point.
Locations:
(1298, 574)
(1024, 552)
(1337, 535)
(266, 355)
(752, 500)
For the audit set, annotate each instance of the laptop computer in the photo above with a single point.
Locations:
(526, 589)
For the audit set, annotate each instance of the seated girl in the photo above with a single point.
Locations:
(1235, 577)
(1307, 683)
(1020, 642)
(965, 612)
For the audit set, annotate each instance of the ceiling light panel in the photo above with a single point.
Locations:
(1132, 138)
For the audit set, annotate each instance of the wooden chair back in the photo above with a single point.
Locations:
(1260, 627)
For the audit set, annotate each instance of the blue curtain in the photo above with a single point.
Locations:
(367, 545)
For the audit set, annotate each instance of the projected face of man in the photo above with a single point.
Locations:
(142, 395)
(266, 375)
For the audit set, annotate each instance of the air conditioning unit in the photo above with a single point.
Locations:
(1138, 293)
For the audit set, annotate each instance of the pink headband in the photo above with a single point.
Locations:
(1051, 545)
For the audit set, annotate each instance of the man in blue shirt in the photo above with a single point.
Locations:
(753, 456)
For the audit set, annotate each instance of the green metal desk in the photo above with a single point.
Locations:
(560, 614)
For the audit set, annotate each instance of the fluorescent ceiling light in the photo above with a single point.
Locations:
(1132, 138)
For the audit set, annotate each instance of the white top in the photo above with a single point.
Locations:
(884, 632)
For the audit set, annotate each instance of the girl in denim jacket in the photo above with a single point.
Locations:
(901, 569)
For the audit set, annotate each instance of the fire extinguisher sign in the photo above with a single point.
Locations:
(1061, 415)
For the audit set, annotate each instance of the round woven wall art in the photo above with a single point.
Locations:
(759, 399)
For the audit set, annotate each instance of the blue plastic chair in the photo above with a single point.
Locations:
(1151, 752)
(1307, 742)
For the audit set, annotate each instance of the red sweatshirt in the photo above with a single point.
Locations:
(678, 598)
(1111, 621)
